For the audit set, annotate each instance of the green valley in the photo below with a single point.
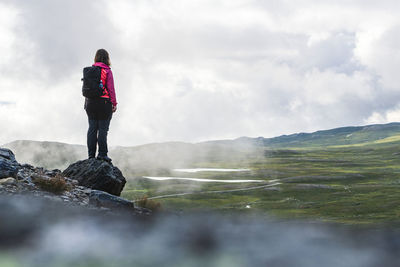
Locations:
(356, 183)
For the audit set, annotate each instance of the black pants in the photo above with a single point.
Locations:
(97, 134)
(99, 113)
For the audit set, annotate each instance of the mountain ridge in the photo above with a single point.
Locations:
(182, 154)
(265, 140)
(386, 130)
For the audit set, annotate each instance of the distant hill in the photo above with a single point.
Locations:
(333, 137)
(179, 154)
(50, 155)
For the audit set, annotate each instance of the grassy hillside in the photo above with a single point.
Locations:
(354, 184)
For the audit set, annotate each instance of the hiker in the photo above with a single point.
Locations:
(99, 109)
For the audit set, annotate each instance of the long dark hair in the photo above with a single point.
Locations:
(102, 56)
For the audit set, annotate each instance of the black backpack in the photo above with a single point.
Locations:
(92, 86)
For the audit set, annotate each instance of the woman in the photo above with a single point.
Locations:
(99, 110)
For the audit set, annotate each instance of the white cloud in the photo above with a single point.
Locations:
(385, 117)
(8, 19)
(199, 70)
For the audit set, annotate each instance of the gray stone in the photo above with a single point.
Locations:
(8, 165)
(27, 166)
(29, 181)
(74, 182)
(7, 154)
(97, 174)
(7, 169)
(8, 181)
(52, 173)
(106, 200)
(87, 191)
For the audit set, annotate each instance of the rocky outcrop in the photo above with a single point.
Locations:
(97, 174)
(39, 183)
(8, 165)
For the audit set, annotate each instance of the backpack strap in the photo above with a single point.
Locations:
(103, 78)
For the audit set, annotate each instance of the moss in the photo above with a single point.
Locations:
(55, 184)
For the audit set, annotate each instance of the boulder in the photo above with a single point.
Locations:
(8, 165)
(103, 199)
(97, 174)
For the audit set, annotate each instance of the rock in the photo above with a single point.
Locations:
(97, 174)
(36, 176)
(28, 180)
(87, 191)
(72, 181)
(8, 181)
(103, 199)
(27, 166)
(7, 154)
(52, 173)
(8, 165)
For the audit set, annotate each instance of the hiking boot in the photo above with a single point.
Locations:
(105, 158)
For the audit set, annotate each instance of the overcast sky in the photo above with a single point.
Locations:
(188, 70)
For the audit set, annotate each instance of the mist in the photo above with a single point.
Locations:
(151, 159)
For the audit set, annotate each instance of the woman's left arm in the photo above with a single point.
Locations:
(111, 88)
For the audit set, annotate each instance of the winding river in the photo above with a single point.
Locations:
(210, 170)
(204, 179)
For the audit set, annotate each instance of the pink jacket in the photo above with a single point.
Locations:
(109, 82)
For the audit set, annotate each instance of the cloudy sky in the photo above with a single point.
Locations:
(195, 70)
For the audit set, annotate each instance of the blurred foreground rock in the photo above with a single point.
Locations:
(85, 227)
(97, 174)
(36, 232)
(104, 199)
